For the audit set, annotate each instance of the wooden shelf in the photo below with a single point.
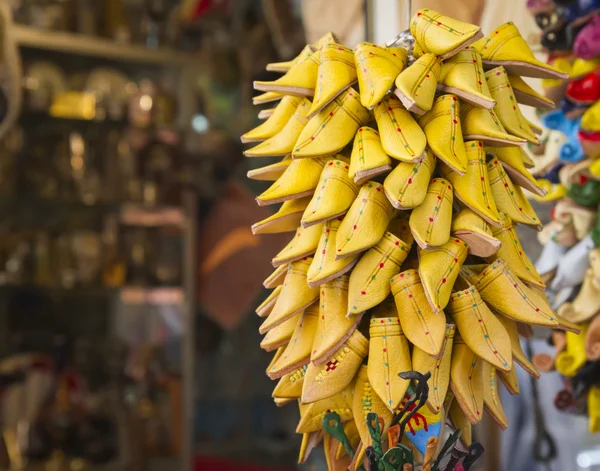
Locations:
(72, 43)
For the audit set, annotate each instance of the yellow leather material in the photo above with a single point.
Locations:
(401, 137)
(286, 219)
(365, 222)
(276, 356)
(553, 191)
(334, 327)
(595, 169)
(297, 351)
(439, 367)
(311, 415)
(283, 401)
(416, 85)
(430, 221)
(460, 422)
(333, 375)
(303, 244)
(280, 336)
(366, 401)
(473, 188)
(271, 172)
(581, 67)
(353, 436)
(510, 380)
(299, 180)
(466, 379)
(377, 67)
(290, 385)
(587, 302)
(265, 308)
(442, 35)
(518, 354)
(593, 405)
(332, 128)
(370, 279)
(276, 122)
(299, 80)
(334, 463)
(325, 267)
(590, 121)
(480, 329)
(509, 198)
(463, 76)
(481, 124)
(368, 157)
(400, 227)
(265, 114)
(526, 95)
(527, 160)
(333, 196)
(422, 326)
(295, 296)
(470, 227)
(309, 442)
(267, 97)
(570, 360)
(406, 186)
(337, 72)
(276, 278)
(284, 66)
(444, 134)
(513, 163)
(283, 142)
(506, 47)
(491, 396)
(507, 109)
(439, 268)
(514, 255)
(389, 354)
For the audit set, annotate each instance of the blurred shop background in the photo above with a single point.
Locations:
(128, 271)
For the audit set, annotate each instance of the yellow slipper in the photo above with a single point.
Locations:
(330, 445)
(299, 180)
(332, 128)
(527, 160)
(470, 227)
(351, 431)
(401, 137)
(590, 121)
(283, 142)
(514, 255)
(593, 406)
(406, 186)
(311, 415)
(283, 67)
(297, 352)
(370, 279)
(473, 188)
(509, 198)
(389, 354)
(275, 357)
(504, 292)
(325, 267)
(377, 67)
(365, 222)
(491, 395)
(265, 308)
(507, 109)
(506, 47)
(303, 244)
(333, 196)
(337, 72)
(527, 95)
(480, 124)
(276, 278)
(280, 336)
(270, 173)
(299, 80)
(463, 76)
(334, 327)
(276, 122)
(430, 221)
(268, 97)
(441, 35)
(466, 380)
(416, 85)
(574, 356)
(368, 157)
(460, 422)
(290, 385)
(422, 326)
(439, 268)
(286, 219)
(444, 134)
(480, 329)
(439, 367)
(337, 372)
(512, 161)
(510, 380)
(518, 354)
(586, 304)
(295, 296)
